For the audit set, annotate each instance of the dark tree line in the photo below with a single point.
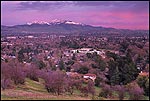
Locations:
(122, 70)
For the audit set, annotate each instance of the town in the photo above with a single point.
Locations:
(75, 50)
(83, 59)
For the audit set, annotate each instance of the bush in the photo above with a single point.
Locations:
(54, 82)
(18, 76)
(69, 85)
(84, 91)
(5, 83)
(5, 70)
(103, 94)
(121, 91)
(97, 81)
(106, 91)
(135, 92)
(91, 88)
(32, 73)
(147, 87)
(83, 70)
(143, 82)
(13, 72)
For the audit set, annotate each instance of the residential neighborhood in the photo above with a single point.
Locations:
(75, 50)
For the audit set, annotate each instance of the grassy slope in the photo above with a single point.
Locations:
(35, 91)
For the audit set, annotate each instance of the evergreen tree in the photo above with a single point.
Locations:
(61, 65)
(115, 79)
(123, 70)
(74, 57)
(21, 56)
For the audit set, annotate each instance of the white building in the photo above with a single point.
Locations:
(88, 50)
(12, 37)
(90, 76)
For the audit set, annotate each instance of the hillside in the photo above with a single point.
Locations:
(33, 90)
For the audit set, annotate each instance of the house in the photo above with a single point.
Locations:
(2, 59)
(144, 73)
(13, 37)
(90, 76)
(74, 75)
(88, 50)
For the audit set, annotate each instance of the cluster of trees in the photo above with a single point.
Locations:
(99, 62)
(32, 72)
(56, 82)
(134, 90)
(143, 82)
(12, 73)
(69, 44)
(122, 69)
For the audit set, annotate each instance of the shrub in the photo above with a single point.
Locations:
(143, 82)
(69, 85)
(5, 83)
(97, 81)
(18, 76)
(13, 72)
(83, 70)
(84, 91)
(41, 64)
(91, 88)
(121, 91)
(5, 70)
(103, 94)
(32, 73)
(54, 82)
(106, 91)
(147, 87)
(135, 92)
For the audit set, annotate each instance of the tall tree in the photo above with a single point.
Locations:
(126, 71)
(115, 79)
(21, 55)
(61, 65)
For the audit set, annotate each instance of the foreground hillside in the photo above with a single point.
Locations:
(33, 90)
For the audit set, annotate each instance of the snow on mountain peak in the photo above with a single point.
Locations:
(71, 22)
(55, 21)
(38, 22)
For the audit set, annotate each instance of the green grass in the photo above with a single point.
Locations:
(36, 86)
(22, 92)
(146, 98)
(33, 90)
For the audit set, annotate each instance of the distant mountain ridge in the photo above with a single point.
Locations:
(55, 21)
(62, 26)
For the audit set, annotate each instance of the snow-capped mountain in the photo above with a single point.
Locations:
(55, 21)
(61, 26)
(37, 22)
(71, 22)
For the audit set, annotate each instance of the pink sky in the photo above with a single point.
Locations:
(116, 14)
